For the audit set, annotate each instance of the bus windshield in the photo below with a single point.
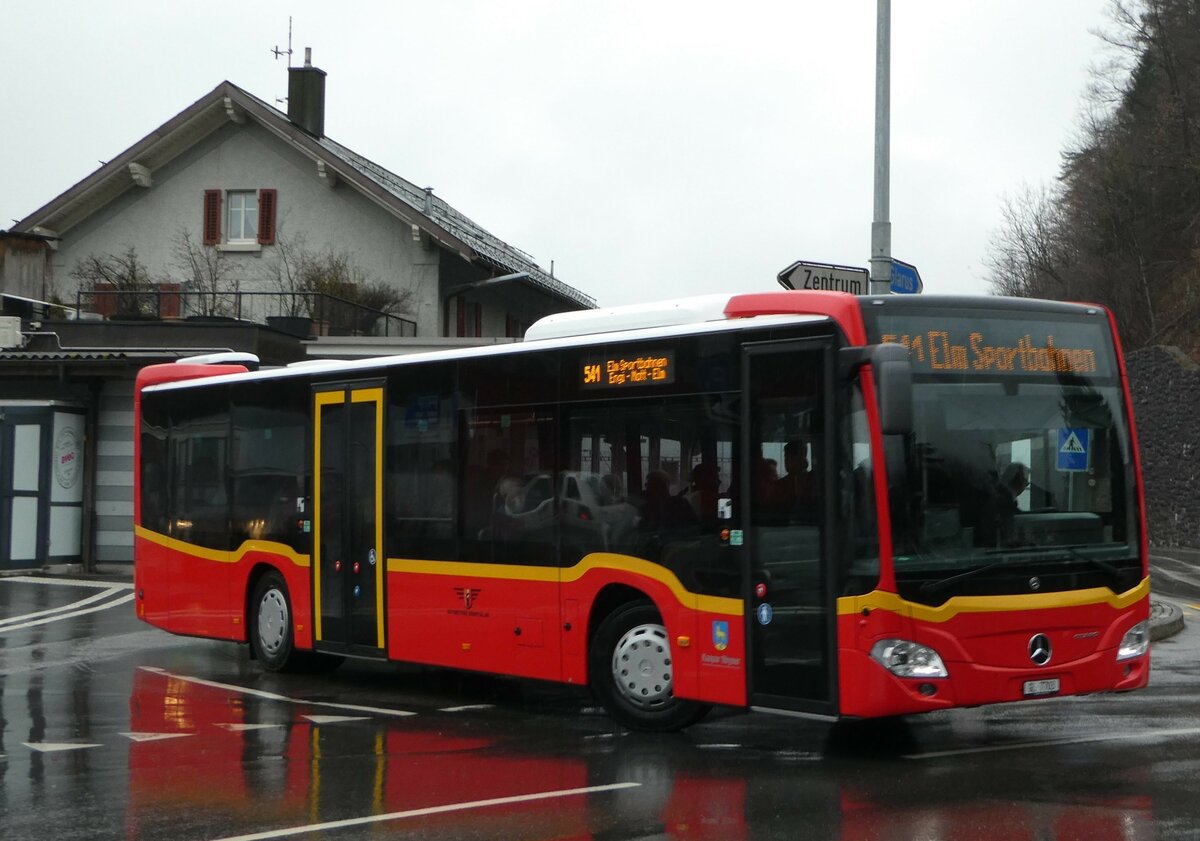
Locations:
(1018, 474)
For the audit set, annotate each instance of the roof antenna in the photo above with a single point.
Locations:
(288, 52)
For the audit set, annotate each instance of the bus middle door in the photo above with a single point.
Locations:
(348, 561)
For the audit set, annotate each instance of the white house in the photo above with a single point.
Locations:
(217, 207)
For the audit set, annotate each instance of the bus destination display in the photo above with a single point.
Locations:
(985, 346)
(655, 368)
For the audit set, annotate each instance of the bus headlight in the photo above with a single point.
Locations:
(908, 659)
(1135, 642)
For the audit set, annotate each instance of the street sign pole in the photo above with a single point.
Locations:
(881, 227)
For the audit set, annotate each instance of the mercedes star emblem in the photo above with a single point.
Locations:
(1039, 649)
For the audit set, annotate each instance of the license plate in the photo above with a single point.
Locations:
(1041, 687)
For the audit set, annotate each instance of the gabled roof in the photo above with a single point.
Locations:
(227, 102)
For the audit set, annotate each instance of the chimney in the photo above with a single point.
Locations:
(306, 96)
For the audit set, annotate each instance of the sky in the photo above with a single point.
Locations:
(650, 149)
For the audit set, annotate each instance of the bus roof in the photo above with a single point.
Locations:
(652, 320)
(159, 376)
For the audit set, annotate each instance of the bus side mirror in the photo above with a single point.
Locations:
(893, 382)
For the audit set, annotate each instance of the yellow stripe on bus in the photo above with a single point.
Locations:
(598, 560)
(878, 600)
(269, 547)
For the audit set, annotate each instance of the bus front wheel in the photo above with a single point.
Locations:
(632, 671)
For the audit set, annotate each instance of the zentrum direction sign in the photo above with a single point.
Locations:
(825, 276)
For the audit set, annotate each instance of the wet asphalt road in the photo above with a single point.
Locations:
(112, 729)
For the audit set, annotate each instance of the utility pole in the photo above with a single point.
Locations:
(881, 227)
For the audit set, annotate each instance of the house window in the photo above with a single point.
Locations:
(470, 318)
(513, 328)
(249, 218)
(243, 216)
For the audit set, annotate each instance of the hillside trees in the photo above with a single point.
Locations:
(1122, 225)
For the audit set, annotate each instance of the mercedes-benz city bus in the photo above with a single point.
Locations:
(802, 502)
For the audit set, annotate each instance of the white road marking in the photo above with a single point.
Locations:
(272, 696)
(241, 728)
(354, 707)
(430, 810)
(68, 582)
(72, 615)
(335, 719)
(1144, 736)
(466, 707)
(72, 606)
(154, 737)
(54, 747)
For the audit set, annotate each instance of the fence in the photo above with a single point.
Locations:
(298, 313)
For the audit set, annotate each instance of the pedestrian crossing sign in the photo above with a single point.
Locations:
(1074, 444)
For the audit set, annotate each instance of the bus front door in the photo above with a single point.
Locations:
(788, 604)
(347, 556)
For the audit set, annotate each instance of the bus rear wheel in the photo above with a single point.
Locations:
(271, 632)
(271, 635)
(632, 671)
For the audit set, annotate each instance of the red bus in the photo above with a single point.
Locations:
(802, 502)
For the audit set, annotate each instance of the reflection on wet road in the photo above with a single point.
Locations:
(109, 729)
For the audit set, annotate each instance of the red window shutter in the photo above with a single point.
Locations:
(168, 300)
(103, 299)
(212, 217)
(266, 217)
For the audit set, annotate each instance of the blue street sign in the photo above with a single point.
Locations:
(1073, 446)
(906, 280)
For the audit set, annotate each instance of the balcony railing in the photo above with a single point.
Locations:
(299, 313)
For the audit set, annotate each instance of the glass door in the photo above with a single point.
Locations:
(348, 563)
(789, 603)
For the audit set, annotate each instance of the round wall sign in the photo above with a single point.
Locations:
(66, 457)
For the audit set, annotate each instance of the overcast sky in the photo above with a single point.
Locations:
(649, 149)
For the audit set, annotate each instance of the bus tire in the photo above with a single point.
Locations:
(632, 672)
(271, 635)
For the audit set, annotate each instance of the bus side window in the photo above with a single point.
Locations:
(420, 457)
(654, 481)
(508, 498)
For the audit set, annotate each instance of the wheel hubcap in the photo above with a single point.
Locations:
(272, 621)
(641, 666)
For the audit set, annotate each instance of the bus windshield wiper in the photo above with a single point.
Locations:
(1102, 565)
(941, 583)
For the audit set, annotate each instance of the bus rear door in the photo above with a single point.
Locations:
(348, 562)
(789, 613)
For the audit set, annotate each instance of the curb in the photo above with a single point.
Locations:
(116, 573)
(1166, 620)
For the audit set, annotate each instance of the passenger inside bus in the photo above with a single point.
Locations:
(793, 496)
(661, 509)
(1014, 479)
(702, 495)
